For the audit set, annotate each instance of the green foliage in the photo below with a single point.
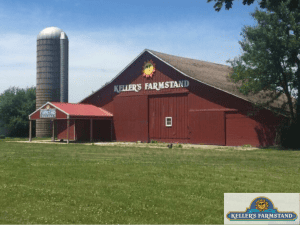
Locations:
(270, 54)
(293, 4)
(178, 146)
(2, 136)
(290, 136)
(247, 146)
(15, 106)
(154, 141)
(228, 3)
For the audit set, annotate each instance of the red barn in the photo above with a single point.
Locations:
(170, 99)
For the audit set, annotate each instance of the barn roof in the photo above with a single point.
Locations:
(214, 75)
(211, 74)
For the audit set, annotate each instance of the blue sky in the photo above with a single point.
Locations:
(106, 35)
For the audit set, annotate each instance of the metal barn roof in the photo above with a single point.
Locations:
(77, 110)
(81, 109)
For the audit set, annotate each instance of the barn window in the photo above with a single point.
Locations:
(168, 121)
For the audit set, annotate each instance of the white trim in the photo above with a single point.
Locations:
(116, 75)
(38, 109)
(68, 116)
(166, 121)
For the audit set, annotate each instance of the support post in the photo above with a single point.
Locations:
(30, 130)
(91, 130)
(53, 129)
(68, 130)
(111, 127)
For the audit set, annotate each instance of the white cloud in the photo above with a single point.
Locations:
(95, 57)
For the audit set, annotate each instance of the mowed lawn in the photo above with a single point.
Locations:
(75, 183)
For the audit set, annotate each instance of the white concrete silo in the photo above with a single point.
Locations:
(52, 72)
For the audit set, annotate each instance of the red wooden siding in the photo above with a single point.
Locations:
(207, 127)
(202, 96)
(160, 107)
(80, 128)
(62, 129)
(131, 118)
(101, 130)
(240, 130)
(258, 130)
(36, 115)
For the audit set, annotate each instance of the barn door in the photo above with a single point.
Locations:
(131, 118)
(168, 117)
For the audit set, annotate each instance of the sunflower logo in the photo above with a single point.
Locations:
(148, 69)
(261, 205)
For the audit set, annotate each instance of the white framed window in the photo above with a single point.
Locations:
(168, 121)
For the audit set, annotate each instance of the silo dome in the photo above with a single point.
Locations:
(51, 33)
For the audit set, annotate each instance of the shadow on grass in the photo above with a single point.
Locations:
(278, 148)
(82, 142)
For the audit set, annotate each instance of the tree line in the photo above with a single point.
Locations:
(15, 106)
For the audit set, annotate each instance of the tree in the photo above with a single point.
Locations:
(271, 56)
(263, 4)
(15, 106)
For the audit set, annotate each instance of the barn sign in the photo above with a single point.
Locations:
(48, 113)
(152, 86)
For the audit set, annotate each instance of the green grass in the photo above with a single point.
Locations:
(75, 183)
